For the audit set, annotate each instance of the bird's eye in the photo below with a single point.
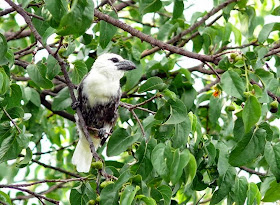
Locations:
(115, 60)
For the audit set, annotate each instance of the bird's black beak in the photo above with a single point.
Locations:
(125, 65)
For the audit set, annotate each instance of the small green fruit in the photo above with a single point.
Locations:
(61, 51)
(91, 202)
(247, 94)
(105, 183)
(97, 165)
(97, 198)
(230, 108)
(233, 55)
(238, 57)
(274, 106)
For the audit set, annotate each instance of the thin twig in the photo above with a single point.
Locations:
(208, 87)
(16, 33)
(49, 180)
(56, 150)
(54, 168)
(139, 123)
(200, 198)
(35, 16)
(146, 101)
(217, 74)
(38, 196)
(52, 188)
(273, 96)
(7, 114)
(59, 45)
(128, 106)
(25, 49)
(252, 171)
(2, 202)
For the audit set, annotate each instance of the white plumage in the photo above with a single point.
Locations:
(98, 99)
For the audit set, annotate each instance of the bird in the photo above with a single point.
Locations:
(99, 96)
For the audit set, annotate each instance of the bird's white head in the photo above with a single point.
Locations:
(112, 66)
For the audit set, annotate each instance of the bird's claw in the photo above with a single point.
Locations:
(101, 133)
(75, 104)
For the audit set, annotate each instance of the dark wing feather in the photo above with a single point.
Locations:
(100, 114)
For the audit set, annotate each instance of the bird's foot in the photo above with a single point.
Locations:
(102, 132)
(75, 104)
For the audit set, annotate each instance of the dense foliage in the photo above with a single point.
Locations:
(188, 131)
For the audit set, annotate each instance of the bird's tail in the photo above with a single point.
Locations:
(82, 156)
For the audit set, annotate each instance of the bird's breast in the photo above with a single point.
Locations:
(99, 90)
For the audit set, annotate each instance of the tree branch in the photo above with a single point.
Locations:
(48, 105)
(70, 85)
(40, 197)
(273, 96)
(7, 114)
(251, 171)
(13, 35)
(191, 28)
(152, 41)
(50, 180)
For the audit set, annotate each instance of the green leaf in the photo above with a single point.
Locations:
(181, 134)
(9, 149)
(78, 19)
(276, 11)
(146, 200)
(158, 159)
(178, 8)
(190, 169)
(109, 195)
(5, 198)
(120, 141)
(248, 148)
(166, 193)
(133, 77)
(38, 75)
(164, 31)
(122, 179)
(272, 156)
(33, 96)
(254, 195)
(57, 9)
(62, 100)
(232, 84)
(14, 112)
(4, 81)
(27, 158)
(240, 190)
(272, 194)
(3, 46)
(178, 112)
(42, 27)
(80, 70)
(53, 67)
(128, 194)
(215, 108)
(180, 160)
(148, 6)
(14, 97)
(251, 113)
(224, 186)
(266, 30)
(107, 31)
(153, 83)
(82, 194)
